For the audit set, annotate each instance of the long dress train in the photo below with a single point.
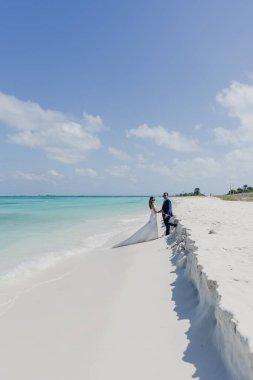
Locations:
(147, 232)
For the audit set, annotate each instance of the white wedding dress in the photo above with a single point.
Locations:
(147, 232)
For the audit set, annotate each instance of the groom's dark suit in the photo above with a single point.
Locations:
(167, 214)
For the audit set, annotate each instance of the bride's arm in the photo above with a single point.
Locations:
(155, 209)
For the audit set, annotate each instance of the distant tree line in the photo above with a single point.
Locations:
(239, 190)
(195, 193)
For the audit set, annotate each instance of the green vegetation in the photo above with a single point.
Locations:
(245, 197)
(244, 193)
(240, 190)
(195, 193)
(226, 197)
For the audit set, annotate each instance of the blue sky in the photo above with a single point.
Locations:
(130, 97)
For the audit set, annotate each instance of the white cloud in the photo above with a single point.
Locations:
(240, 156)
(238, 100)
(197, 167)
(193, 168)
(34, 177)
(159, 135)
(118, 171)
(185, 173)
(54, 174)
(160, 169)
(226, 136)
(238, 164)
(50, 176)
(119, 154)
(93, 123)
(88, 172)
(141, 159)
(59, 136)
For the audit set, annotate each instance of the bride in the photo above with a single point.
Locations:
(147, 232)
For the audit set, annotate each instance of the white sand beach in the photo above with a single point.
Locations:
(109, 314)
(217, 250)
(164, 309)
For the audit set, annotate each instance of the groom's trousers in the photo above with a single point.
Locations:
(167, 224)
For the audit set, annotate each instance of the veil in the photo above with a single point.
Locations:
(146, 233)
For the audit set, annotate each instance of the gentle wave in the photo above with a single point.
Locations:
(47, 260)
(129, 220)
(37, 232)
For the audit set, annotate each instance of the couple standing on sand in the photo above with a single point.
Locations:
(150, 230)
(166, 211)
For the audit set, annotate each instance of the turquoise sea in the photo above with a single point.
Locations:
(35, 232)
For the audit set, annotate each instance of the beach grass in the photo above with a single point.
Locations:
(245, 197)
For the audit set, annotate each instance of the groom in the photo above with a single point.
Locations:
(167, 213)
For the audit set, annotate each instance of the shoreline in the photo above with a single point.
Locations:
(150, 310)
(33, 226)
(76, 317)
(27, 249)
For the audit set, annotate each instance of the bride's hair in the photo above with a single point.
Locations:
(150, 202)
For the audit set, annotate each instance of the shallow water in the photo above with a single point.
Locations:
(37, 231)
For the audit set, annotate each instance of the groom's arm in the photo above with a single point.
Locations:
(170, 208)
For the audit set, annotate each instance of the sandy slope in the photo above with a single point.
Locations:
(219, 257)
(223, 234)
